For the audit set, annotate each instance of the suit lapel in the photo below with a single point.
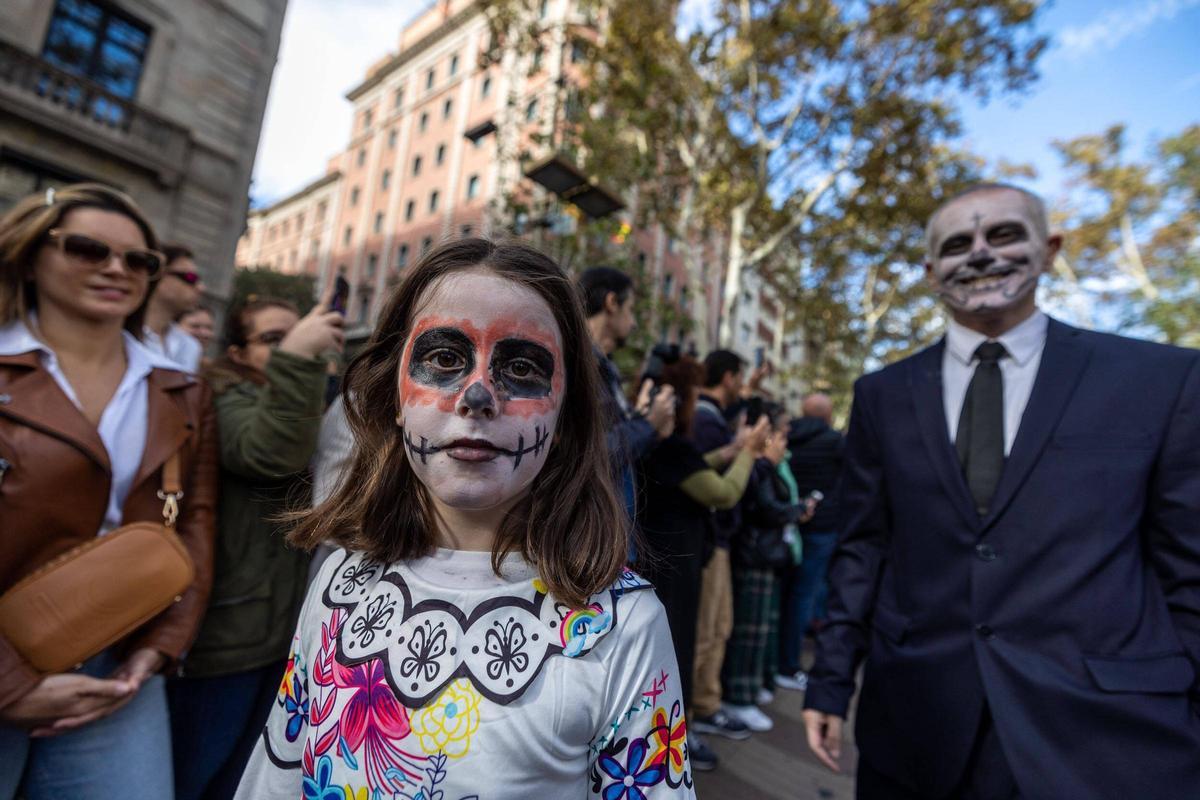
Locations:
(167, 426)
(36, 399)
(1064, 359)
(925, 381)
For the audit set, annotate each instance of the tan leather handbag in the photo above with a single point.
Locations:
(94, 595)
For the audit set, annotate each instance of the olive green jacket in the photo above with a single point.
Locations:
(268, 432)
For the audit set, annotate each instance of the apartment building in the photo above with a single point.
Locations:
(441, 137)
(159, 98)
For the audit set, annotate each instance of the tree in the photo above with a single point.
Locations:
(1132, 229)
(250, 282)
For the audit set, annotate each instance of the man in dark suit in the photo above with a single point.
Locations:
(1019, 561)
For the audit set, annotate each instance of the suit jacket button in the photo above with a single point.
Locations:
(985, 552)
(985, 631)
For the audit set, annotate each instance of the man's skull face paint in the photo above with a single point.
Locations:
(481, 382)
(986, 253)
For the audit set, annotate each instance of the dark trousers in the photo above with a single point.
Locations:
(804, 585)
(987, 775)
(215, 724)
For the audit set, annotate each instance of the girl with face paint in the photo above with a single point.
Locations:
(478, 634)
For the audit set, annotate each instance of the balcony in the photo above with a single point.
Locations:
(73, 106)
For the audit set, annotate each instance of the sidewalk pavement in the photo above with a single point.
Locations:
(777, 764)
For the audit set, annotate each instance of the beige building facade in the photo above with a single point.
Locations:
(161, 98)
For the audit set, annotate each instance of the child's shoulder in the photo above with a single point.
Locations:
(499, 640)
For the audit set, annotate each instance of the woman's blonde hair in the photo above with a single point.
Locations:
(23, 231)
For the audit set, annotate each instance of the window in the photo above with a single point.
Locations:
(453, 65)
(447, 107)
(300, 221)
(426, 243)
(416, 166)
(354, 196)
(441, 154)
(322, 208)
(668, 282)
(485, 88)
(433, 200)
(402, 256)
(576, 51)
(287, 224)
(543, 9)
(367, 117)
(424, 121)
(392, 139)
(378, 221)
(98, 43)
(531, 111)
(364, 307)
(472, 187)
(315, 247)
(410, 208)
(372, 265)
(398, 98)
(537, 59)
(362, 155)
(430, 77)
(346, 236)
(385, 179)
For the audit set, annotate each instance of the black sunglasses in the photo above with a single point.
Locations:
(96, 253)
(189, 277)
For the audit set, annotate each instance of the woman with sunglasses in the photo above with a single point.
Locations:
(269, 389)
(88, 418)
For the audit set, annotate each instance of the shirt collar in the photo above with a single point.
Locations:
(1022, 342)
(16, 338)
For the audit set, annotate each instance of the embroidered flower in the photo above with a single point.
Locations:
(295, 703)
(667, 741)
(628, 779)
(446, 725)
(316, 787)
(361, 794)
(374, 720)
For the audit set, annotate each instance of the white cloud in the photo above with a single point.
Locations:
(1118, 24)
(326, 49)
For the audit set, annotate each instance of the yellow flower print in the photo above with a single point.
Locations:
(446, 724)
(540, 586)
(361, 795)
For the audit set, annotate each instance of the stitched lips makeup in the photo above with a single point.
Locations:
(480, 392)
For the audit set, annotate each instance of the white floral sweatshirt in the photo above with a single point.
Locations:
(436, 679)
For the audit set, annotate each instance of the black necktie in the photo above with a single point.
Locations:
(980, 440)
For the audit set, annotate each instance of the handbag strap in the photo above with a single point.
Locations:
(171, 491)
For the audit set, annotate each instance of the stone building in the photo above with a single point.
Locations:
(162, 99)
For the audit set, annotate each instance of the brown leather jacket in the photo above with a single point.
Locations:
(54, 484)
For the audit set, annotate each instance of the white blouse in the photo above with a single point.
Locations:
(123, 423)
(436, 678)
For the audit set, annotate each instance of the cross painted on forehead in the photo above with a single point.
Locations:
(508, 364)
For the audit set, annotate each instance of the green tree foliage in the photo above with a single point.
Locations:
(266, 282)
(1132, 229)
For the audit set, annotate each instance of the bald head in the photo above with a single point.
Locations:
(818, 406)
(1033, 203)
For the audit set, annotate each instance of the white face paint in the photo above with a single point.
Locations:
(987, 253)
(481, 382)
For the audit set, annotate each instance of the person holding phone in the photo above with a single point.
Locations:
(269, 389)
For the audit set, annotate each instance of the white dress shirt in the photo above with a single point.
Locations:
(123, 423)
(178, 346)
(1018, 369)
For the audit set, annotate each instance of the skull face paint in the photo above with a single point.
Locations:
(987, 251)
(480, 385)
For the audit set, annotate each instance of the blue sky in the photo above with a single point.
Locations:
(1111, 61)
(1131, 61)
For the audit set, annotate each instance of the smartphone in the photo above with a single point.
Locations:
(754, 410)
(760, 356)
(341, 295)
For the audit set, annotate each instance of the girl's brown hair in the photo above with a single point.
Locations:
(23, 231)
(571, 525)
(684, 376)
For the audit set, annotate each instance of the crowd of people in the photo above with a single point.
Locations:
(494, 565)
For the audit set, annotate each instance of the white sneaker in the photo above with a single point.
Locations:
(764, 697)
(751, 717)
(798, 682)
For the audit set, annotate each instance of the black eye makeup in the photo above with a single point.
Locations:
(521, 368)
(1006, 233)
(441, 357)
